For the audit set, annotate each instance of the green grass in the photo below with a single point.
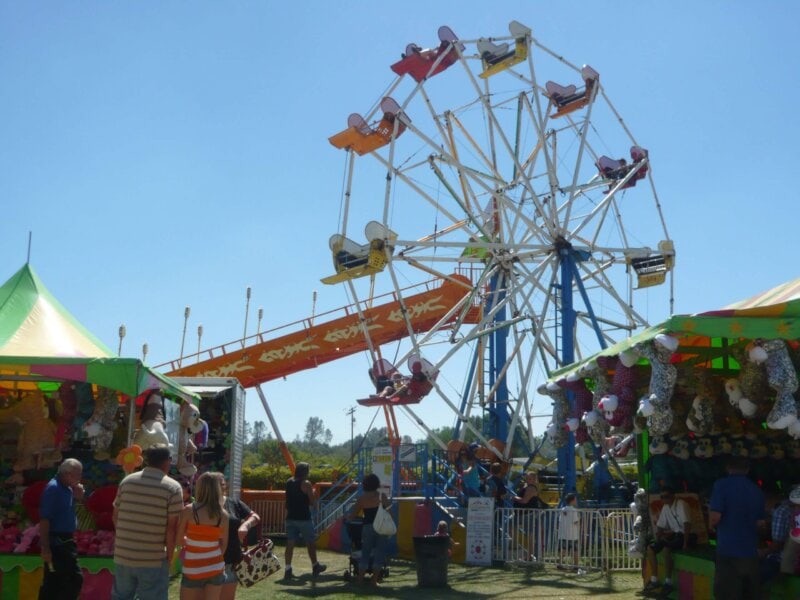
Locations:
(465, 583)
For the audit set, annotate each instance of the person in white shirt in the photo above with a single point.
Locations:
(569, 525)
(672, 533)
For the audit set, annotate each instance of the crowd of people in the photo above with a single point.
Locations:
(752, 530)
(154, 515)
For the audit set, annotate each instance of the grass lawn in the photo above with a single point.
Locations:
(465, 582)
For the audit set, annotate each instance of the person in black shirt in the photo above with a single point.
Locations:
(300, 497)
(241, 522)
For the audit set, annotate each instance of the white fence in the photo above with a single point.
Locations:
(521, 535)
(531, 536)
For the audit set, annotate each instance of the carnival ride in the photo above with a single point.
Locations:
(488, 173)
(502, 190)
(328, 336)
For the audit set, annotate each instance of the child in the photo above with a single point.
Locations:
(441, 531)
(569, 522)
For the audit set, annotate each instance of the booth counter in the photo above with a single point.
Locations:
(21, 576)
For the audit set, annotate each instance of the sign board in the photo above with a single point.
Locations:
(480, 529)
(382, 467)
(407, 453)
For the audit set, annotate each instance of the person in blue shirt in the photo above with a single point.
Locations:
(62, 575)
(736, 511)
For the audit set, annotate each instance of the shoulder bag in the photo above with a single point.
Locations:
(383, 524)
(258, 562)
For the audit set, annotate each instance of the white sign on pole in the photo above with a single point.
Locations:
(407, 453)
(480, 527)
(382, 467)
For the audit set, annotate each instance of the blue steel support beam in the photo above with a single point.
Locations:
(499, 404)
(602, 478)
(566, 454)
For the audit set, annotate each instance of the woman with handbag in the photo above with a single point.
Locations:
(241, 519)
(373, 544)
(203, 533)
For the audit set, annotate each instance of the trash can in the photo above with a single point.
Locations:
(432, 558)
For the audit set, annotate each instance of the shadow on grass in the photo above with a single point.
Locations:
(466, 583)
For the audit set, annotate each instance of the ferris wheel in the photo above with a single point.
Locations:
(495, 164)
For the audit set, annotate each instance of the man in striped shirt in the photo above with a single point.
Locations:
(146, 512)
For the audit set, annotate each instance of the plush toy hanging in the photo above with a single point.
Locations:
(582, 403)
(190, 424)
(782, 378)
(556, 429)
(69, 410)
(750, 388)
(36, 446)
(153, 422)
(642, 525)
(594, 419)
(100, 427)
(663, 375)
(701, 416)
(620, 406)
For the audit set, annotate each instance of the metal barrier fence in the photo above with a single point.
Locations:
(532, 536)
(273, 516)
(520, 535)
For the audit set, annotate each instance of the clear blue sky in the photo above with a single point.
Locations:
(172, 154)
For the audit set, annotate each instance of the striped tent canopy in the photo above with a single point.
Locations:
(773, 314)
(41, 343)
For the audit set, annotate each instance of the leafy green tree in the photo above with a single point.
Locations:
(259, 431)
(316, 432)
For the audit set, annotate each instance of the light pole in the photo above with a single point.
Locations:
(186, 312)
(121, 337)
(145, 348)
(351, 412)
(246, 313)
(199, 337)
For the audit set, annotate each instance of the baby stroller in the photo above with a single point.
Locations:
(354, 533)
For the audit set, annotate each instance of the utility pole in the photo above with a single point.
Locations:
(351, 412)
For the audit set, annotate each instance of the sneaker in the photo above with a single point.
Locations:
(318, 568)
(287, 575)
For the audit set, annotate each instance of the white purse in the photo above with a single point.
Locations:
(383, 524)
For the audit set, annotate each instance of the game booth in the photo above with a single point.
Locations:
(695, 390)
(63, 394)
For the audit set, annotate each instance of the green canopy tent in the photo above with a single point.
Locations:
(42, 345)
(705, 345)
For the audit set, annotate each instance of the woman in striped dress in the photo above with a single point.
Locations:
(203, 529)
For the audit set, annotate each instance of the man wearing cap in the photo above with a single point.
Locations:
(672, 533)
(146, 512)
(736, 511)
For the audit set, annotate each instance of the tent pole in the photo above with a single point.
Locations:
(132, 407)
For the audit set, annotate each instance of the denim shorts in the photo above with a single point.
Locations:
(229, 575)
(295, 530)
(217, 579)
